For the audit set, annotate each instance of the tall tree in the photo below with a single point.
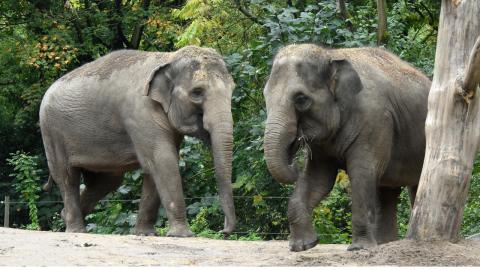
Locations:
(382, 21)
(342, 9)
(452, 125)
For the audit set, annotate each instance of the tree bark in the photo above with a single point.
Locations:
(119, 41)
(342, 9)
(452, 126)
(382, 21)
(138, 31)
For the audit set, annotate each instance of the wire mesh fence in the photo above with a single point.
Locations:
(138, 200)
(7, 204)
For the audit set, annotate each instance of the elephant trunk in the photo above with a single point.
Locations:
(280, 147)
(219, 123)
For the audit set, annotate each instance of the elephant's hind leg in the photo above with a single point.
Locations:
(314, 184)
(412, 194)
(386, 220)
(149, 204)
(68, 180)
(97, 186)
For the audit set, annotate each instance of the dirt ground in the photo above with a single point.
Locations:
(32, 248)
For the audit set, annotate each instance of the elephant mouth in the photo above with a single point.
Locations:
(205, 137)
(293, 150)
(194, 129)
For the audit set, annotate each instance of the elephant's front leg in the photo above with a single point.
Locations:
(363, 173)
(149, 203)
(168, 183)
(316, 181)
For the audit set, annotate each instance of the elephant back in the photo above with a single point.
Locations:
(381, 64)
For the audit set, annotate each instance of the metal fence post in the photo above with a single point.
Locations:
(6, 217)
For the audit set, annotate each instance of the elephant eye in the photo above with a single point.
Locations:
(302, 102)
(197, 94)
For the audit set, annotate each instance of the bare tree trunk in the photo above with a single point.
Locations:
(452, 126)
(342, 9)
(138, 31)
(382, 21)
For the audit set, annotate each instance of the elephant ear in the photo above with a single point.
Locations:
(160, 85)
(344, 80)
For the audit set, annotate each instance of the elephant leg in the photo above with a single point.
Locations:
(366, 162)
(412, 193)
(364, 208)
(387, 218)
(97, 186)
(314, 184)
(68, 180)
(168, 183)
(149, 204)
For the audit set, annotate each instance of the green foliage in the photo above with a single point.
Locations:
(471, 214)
(403, 214)
(332, 218)
(117, 213)
(27, 176)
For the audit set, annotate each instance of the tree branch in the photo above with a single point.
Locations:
(430, 14)
(247, 13)
(472, 72)
(120, 35)
(138, 31)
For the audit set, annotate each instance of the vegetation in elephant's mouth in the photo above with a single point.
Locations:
(300, 151)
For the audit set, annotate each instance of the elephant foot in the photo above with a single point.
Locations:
(179, 232)
(302, 246)
(147, 234)
(139, 231)
(227, 230)
(359, 245)
(76, 229)
(306, 239)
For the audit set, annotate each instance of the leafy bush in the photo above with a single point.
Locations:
(117, 212)
(27, 176)
(471, 214)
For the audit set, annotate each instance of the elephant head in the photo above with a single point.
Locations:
(307, 95)
(195, 89)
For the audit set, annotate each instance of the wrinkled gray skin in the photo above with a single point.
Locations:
(362, 110)
(130, 109)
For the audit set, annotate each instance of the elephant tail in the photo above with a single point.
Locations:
(48, 186)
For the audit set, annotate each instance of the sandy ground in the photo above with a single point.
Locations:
(32, 248)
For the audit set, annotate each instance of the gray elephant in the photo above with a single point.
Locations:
(362, 110)
(131, 109)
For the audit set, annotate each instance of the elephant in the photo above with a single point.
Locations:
(358, 109)
(131, 109)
